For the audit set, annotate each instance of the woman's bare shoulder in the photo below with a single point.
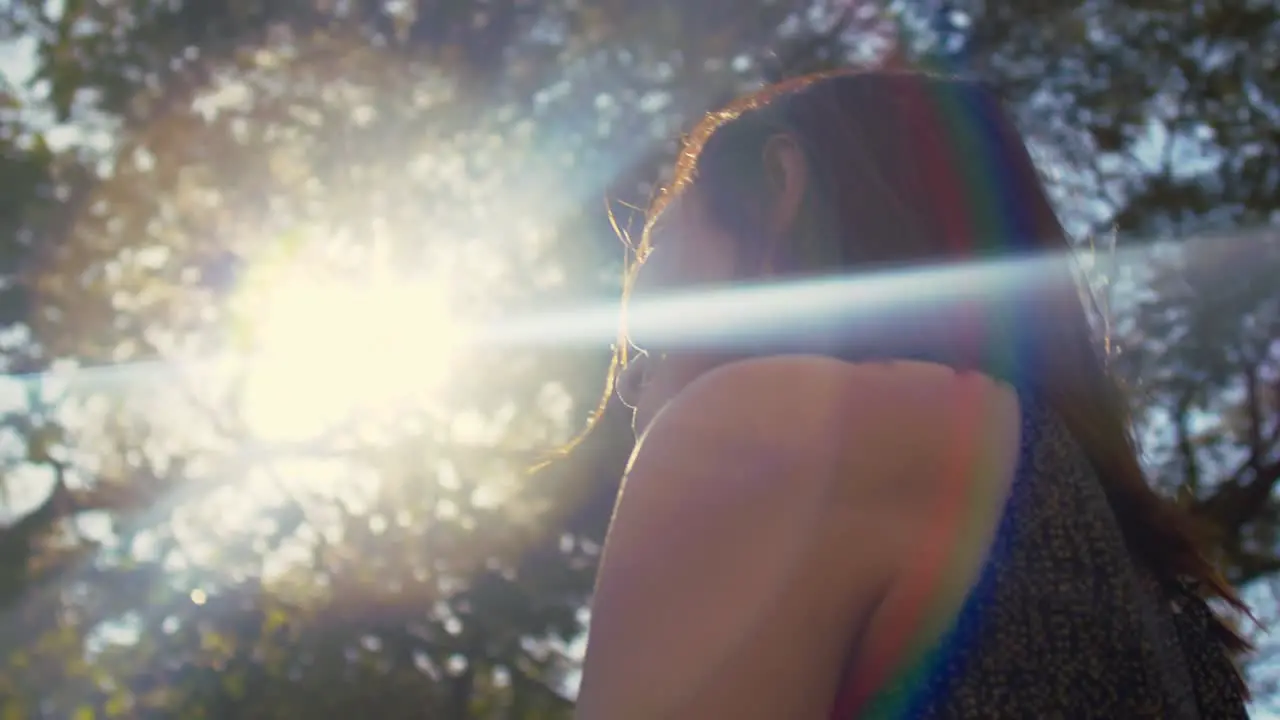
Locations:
(765, 513)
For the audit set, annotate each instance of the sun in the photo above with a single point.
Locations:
(329, 350)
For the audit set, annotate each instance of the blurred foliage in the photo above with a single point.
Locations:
(161, 157)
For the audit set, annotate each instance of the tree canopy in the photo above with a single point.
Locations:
(255, 464)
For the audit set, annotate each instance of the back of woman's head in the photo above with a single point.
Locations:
(910, 169)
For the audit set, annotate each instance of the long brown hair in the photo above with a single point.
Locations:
(873, 141)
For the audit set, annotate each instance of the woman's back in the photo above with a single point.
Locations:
(1063, 621)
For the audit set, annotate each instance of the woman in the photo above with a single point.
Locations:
(941, 515)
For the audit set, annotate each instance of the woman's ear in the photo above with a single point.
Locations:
(786, 171)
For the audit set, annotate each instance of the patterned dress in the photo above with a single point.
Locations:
(1063, 623)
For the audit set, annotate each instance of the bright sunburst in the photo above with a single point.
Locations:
(329, 350)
